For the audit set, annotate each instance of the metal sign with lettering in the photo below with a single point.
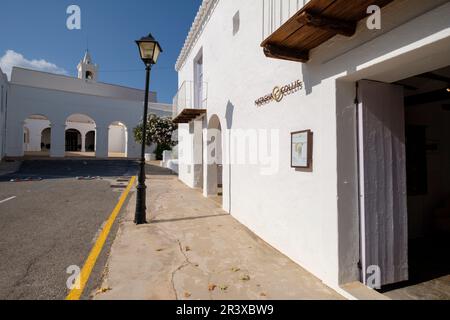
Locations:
(278, 93)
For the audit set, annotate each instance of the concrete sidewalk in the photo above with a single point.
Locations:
(194, 250)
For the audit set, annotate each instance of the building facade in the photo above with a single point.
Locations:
(3, 99)
(52, 115)
(282, 68)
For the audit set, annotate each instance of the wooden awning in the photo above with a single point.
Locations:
(187, 115)
(317, 22)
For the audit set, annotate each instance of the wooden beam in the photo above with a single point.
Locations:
(338, 26)
(433, 76)
(187, 115)
(429, 97)
(272, 51)
(407, 87)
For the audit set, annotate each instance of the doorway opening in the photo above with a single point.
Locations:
(80, 140)
(427, 132)
(404, 169)
(90, 141)
(214, 187)
(37, 136)
(198, 81)
(73, 140)
(118, 140)
(46, 136)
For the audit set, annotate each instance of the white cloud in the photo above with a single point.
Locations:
(13, 59)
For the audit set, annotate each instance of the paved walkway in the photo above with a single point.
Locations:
(194, 250)
(437, 289)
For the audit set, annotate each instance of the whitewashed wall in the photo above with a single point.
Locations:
(3, 95)
(51, 81)
(118, 139)
(34, 132)
(309, 216)
(58, 105)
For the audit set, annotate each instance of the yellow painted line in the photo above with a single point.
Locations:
(75, 294)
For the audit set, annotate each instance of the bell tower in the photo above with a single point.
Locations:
(86, 69)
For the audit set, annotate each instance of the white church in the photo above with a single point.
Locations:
(51, 115)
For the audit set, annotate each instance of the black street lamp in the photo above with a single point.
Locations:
(149, 50)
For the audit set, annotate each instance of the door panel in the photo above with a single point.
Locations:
(198, 83)
(384, 225)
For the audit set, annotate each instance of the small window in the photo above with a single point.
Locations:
(236, 23)
(89, 75)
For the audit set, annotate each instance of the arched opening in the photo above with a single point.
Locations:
(80, 136)
(73, 140)
(118, 140)
(36, 136)
(26, 138)
(214, 186)
(89, 75)
(46, 137)
(90, 141)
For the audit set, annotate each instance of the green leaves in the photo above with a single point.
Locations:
(159, 131)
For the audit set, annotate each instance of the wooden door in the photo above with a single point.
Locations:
(383, 191)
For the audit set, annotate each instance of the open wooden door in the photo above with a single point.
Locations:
(383, 191)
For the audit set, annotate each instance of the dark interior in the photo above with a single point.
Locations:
(427, 121)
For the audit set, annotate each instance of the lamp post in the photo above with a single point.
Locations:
(149, 50)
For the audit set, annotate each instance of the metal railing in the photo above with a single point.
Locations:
(190, 96)
(277, 12)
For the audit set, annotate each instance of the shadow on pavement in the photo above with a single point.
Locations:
(153, 170)
(62, 169)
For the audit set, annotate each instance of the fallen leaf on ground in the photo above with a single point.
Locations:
(224, 287)
(263, 294)
(235, 269)
(245, 277)
(187, 248)
(159, 250)
(212, 287)
(187, 294)
(103, 290)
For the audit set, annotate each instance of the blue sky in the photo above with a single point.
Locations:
(37, 30)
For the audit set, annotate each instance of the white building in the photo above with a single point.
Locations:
(3, 97)
(356, 89)
(55, 115)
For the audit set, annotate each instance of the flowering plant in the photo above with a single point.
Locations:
(159, 132)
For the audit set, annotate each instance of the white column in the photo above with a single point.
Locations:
(197, 153)
(58, 141)
(205, 157)
(209, 166)
(226, 174)
(101, 141)
(83, 142)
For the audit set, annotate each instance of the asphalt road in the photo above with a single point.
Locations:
(53, 223)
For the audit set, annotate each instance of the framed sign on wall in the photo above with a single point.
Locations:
(301, 149)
